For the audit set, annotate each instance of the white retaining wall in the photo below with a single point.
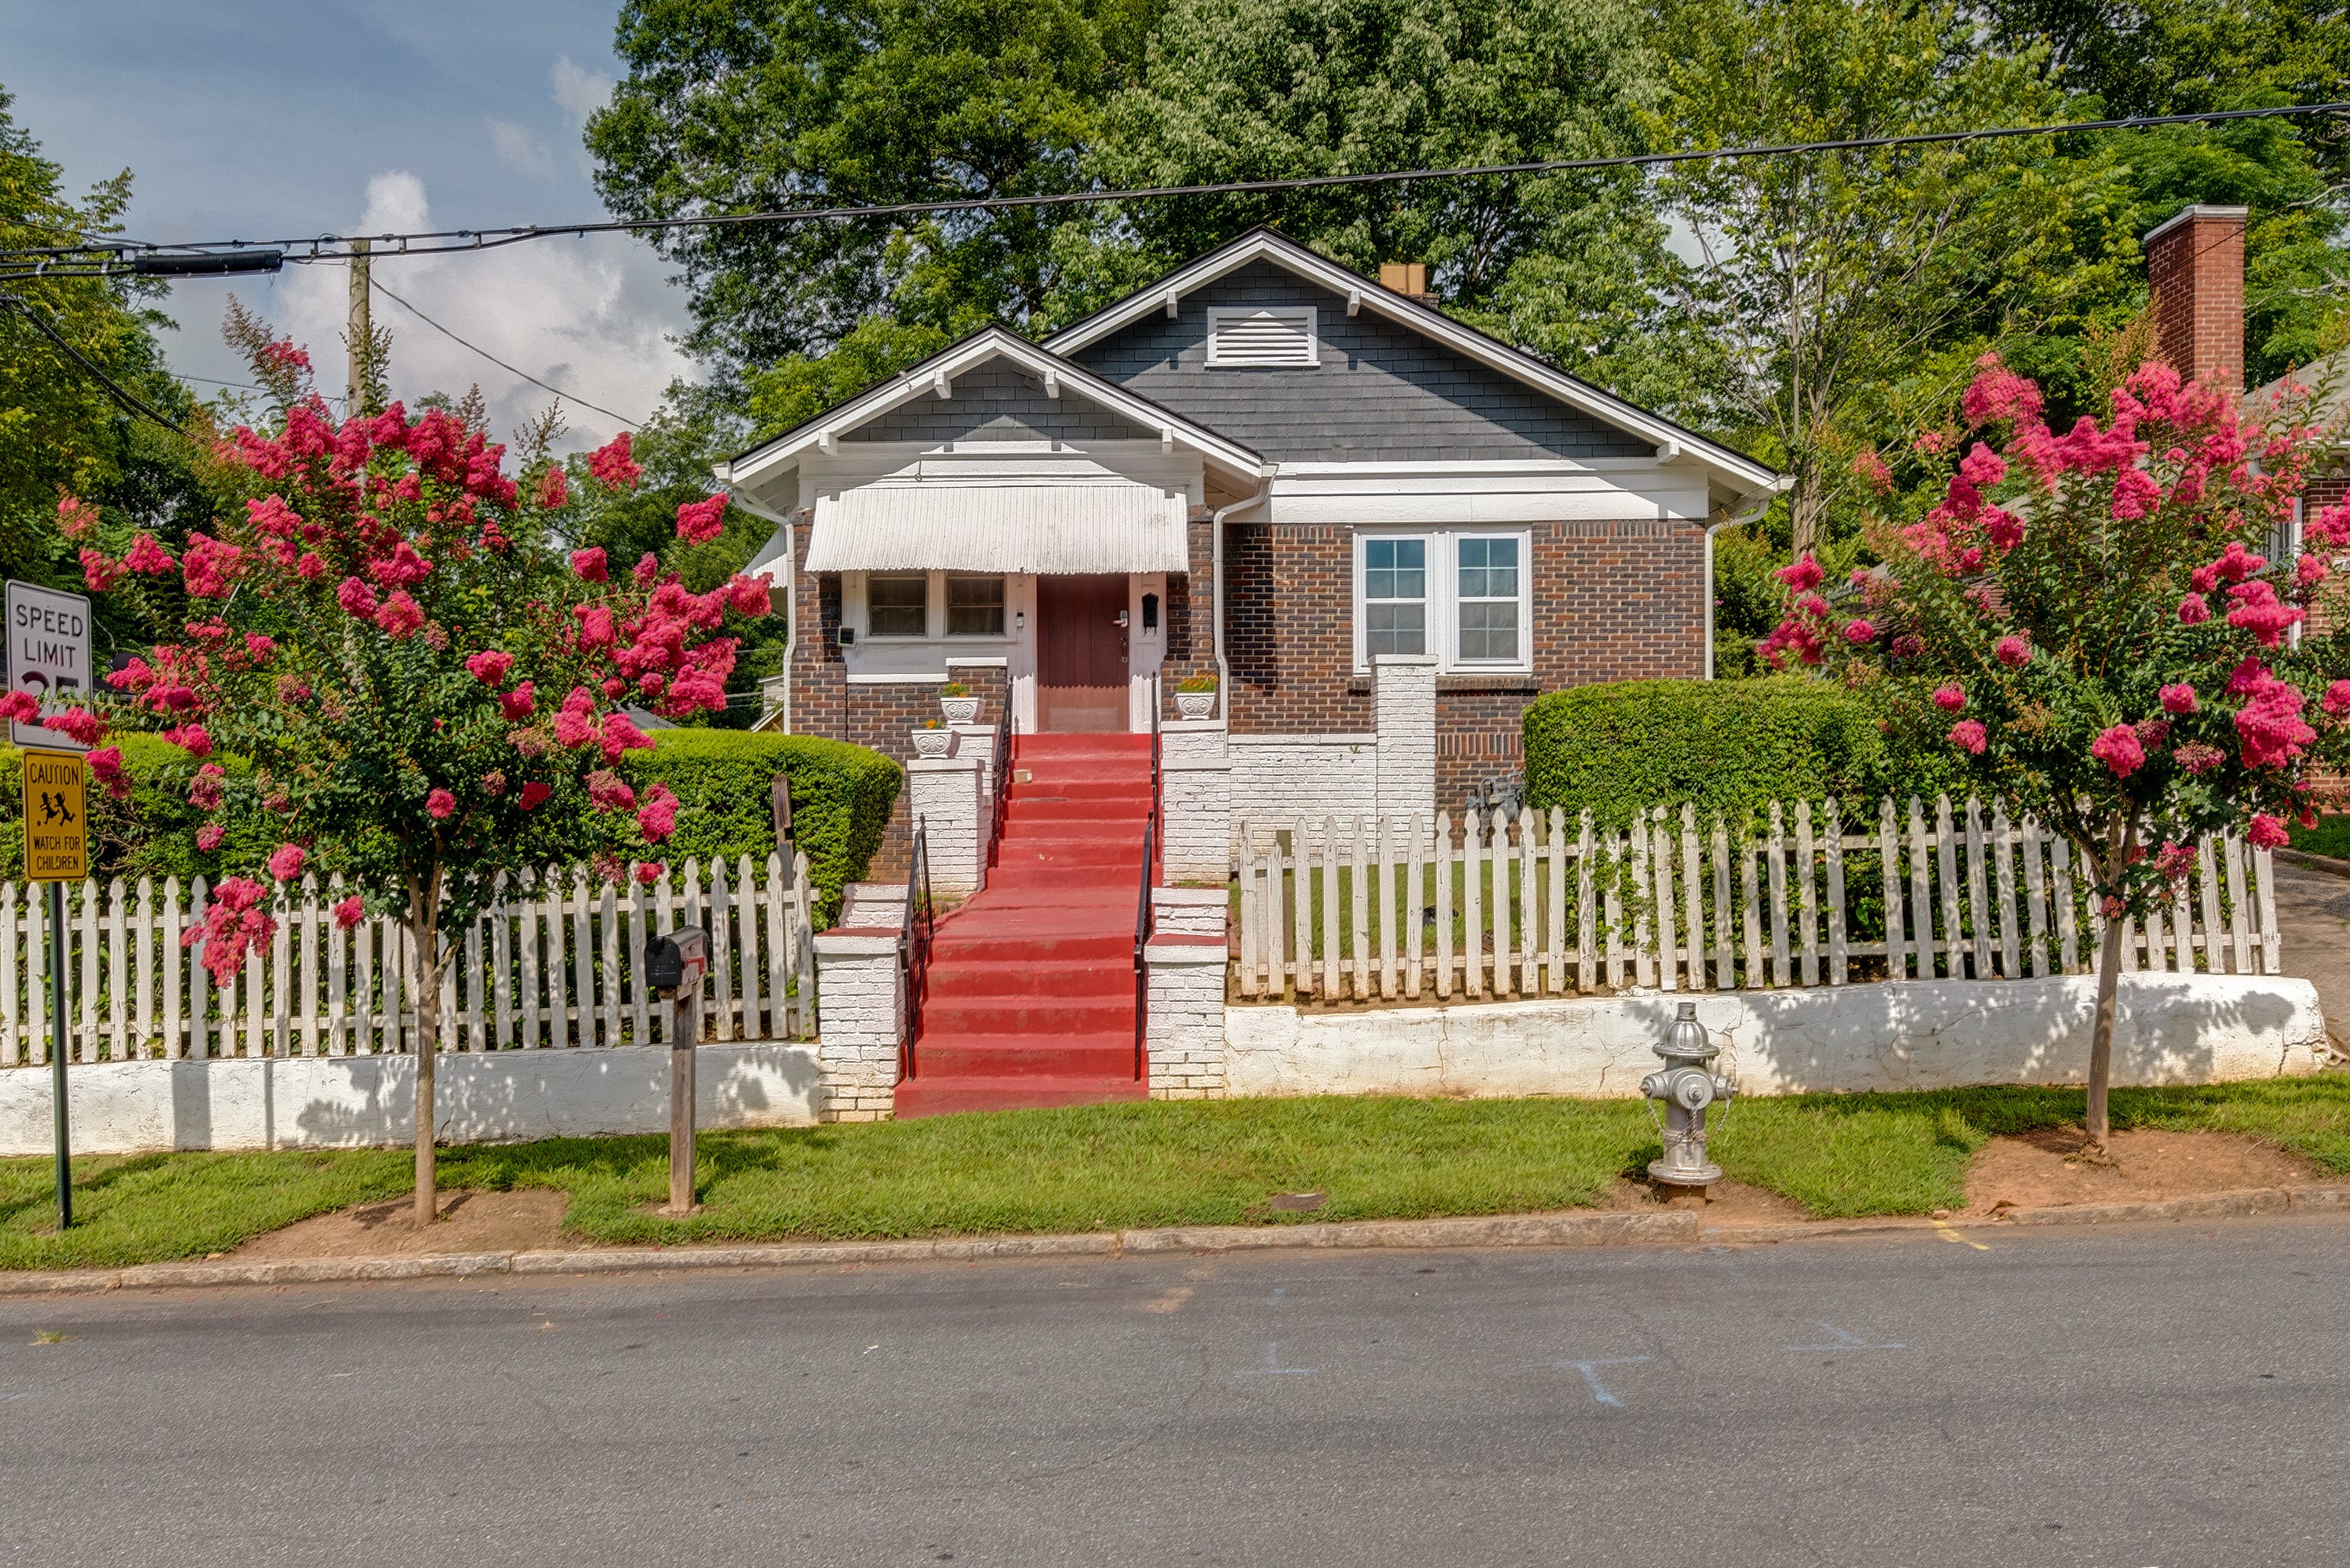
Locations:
(350, 1101)
(1919, 1034)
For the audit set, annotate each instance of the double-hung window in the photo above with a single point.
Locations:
(974, 606)
(897, 605)
(1457, 595)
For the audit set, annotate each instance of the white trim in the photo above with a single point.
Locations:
(1304, 319)
(1748, 474)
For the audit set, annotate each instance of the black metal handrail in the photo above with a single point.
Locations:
(914, 950)
(1002, 761)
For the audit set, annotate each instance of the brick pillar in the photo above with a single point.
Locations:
(1196, 769)
(2195, 269)
(1405, 703)
(942, 794)
(858, 1019)
(1183, 1030)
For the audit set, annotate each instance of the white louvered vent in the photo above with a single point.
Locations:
(1262, 336)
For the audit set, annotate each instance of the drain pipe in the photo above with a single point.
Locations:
(1754, 510)
(791, 580)
(1216, 552)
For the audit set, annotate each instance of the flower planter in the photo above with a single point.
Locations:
(934, 744)
(960, 709)
(1196, 704)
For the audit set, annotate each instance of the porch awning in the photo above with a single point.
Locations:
(1040, 528)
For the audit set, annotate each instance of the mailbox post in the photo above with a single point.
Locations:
(674, 965)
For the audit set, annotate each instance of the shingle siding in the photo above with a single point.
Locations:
(997, 402)
(1382, 392)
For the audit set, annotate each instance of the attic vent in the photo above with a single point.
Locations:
(1261, 337)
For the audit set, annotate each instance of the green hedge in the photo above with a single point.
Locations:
(1729, 746)
(841, 795)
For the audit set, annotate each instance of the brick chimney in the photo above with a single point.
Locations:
(1408, 279)
(2195, 267)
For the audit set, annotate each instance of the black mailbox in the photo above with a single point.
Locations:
(677, 961)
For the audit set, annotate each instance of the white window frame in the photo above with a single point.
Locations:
(1310, 315)
(1443, 547)
(946, 633)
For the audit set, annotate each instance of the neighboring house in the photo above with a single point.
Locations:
(1386, 532)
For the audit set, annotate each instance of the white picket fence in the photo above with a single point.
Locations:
(555, 966)
(1364, 908)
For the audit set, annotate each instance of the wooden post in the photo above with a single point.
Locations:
(683, 1027)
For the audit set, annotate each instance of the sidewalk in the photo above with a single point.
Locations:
(2314, 912)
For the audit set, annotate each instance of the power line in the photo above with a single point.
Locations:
(109, 258)
(115, 389)
(501, 364)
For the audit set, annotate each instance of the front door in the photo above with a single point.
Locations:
(1080, 654)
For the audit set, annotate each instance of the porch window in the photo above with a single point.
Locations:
(1394, 597)
(897, 605)
(974, 606)
(1489, 598)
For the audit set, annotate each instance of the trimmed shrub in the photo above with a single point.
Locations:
(153, 833)
(1731, 747)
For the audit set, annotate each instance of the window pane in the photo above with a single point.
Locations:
(1488, 568)
(1395, 629)
(1395, 569)
(897, 606)
(1490, 630)
(974, 606)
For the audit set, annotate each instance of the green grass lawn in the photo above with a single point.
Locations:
(1109, 1167)
(2330, 836)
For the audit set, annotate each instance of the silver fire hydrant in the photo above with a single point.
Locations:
(1686, 1085)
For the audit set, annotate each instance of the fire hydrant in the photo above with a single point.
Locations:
(1686, 1085)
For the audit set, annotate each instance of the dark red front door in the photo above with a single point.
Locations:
(1080, 654)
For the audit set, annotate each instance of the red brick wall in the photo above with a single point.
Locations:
(1612, 601)
(2195, 268)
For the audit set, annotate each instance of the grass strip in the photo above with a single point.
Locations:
(1131, 1166)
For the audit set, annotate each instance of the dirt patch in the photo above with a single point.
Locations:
(1728, 1202)
(469, 1221)
(2048, 1169)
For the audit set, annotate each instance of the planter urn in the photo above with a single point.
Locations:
(1196, 704)
(934, 744)
(960, 709)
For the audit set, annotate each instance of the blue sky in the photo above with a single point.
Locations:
(265, 118)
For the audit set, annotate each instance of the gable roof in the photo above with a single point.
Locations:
(987, 344)
(1735, 467)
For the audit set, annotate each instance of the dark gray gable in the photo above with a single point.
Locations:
(999, 402)
(1381, 392)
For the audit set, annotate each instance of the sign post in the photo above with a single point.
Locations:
(48, 656)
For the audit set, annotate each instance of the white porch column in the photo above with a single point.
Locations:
(1183, 1030)
(1404, 693)
(942, 794)
(1196, 782)
(857, 1020)
(977, 742)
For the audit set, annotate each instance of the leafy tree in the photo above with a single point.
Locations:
(383, 622)
(733, 106)
(2092, 623)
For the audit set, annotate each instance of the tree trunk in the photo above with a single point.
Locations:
(2118, 841)
(424, 936)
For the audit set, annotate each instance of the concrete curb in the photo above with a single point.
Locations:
(2328, 864)
(1605, 1228)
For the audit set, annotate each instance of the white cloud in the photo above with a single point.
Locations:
(519, 148)
(592, 316)
(580, 92)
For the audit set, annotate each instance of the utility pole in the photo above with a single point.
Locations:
(358, 334)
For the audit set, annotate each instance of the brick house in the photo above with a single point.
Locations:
(1383, 531)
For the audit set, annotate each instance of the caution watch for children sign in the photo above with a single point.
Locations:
(57, 818)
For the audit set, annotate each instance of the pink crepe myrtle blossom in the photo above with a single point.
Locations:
(1999, 394)
(2194, 611)
(440, 805)
(286, 863)
(490, 666)
(76, 517)
(2267, 833)
(554, 489)
(2178, 698)
(2136, 493)
(607, 791)
(20, 707)
(2270, 724)
(2336, 699)
(1802, 575)
(519, 703)
(98, 572)
(204, 789)
(1870, 470)
(657, 814)
(589, 564)
(400, 568)
(2259, 611)
(356, 599)
(106, 767)
(2197, 758)
(209, 837)
(534, 794)
(210, 566)
(748, 596)
(192, 739)
(2013, 651)
(1859, 631)
(233, 924)
(610, 466)
(1950, 698)
(2003, 528)
(350, 912)
(650, 872)
(399, 617)
(2119, 750)
(700, 521)
(84, 727)
(148, 558)
(2174, 860)
(1969, 735)
(621, 735)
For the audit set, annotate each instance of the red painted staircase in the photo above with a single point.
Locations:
(1030, 999)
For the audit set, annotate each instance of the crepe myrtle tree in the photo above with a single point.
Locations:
(2092, 621)
(383, 623)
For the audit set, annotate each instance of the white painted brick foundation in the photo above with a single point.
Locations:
(943, 795)
(1405, 692)
(858, 1019)
(1184, 1031)
(1278, 779)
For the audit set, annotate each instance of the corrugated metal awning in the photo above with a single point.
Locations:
(1000, 527)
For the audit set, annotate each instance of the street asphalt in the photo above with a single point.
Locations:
(2135, 1395)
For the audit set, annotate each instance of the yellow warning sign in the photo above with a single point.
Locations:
(57, 818)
